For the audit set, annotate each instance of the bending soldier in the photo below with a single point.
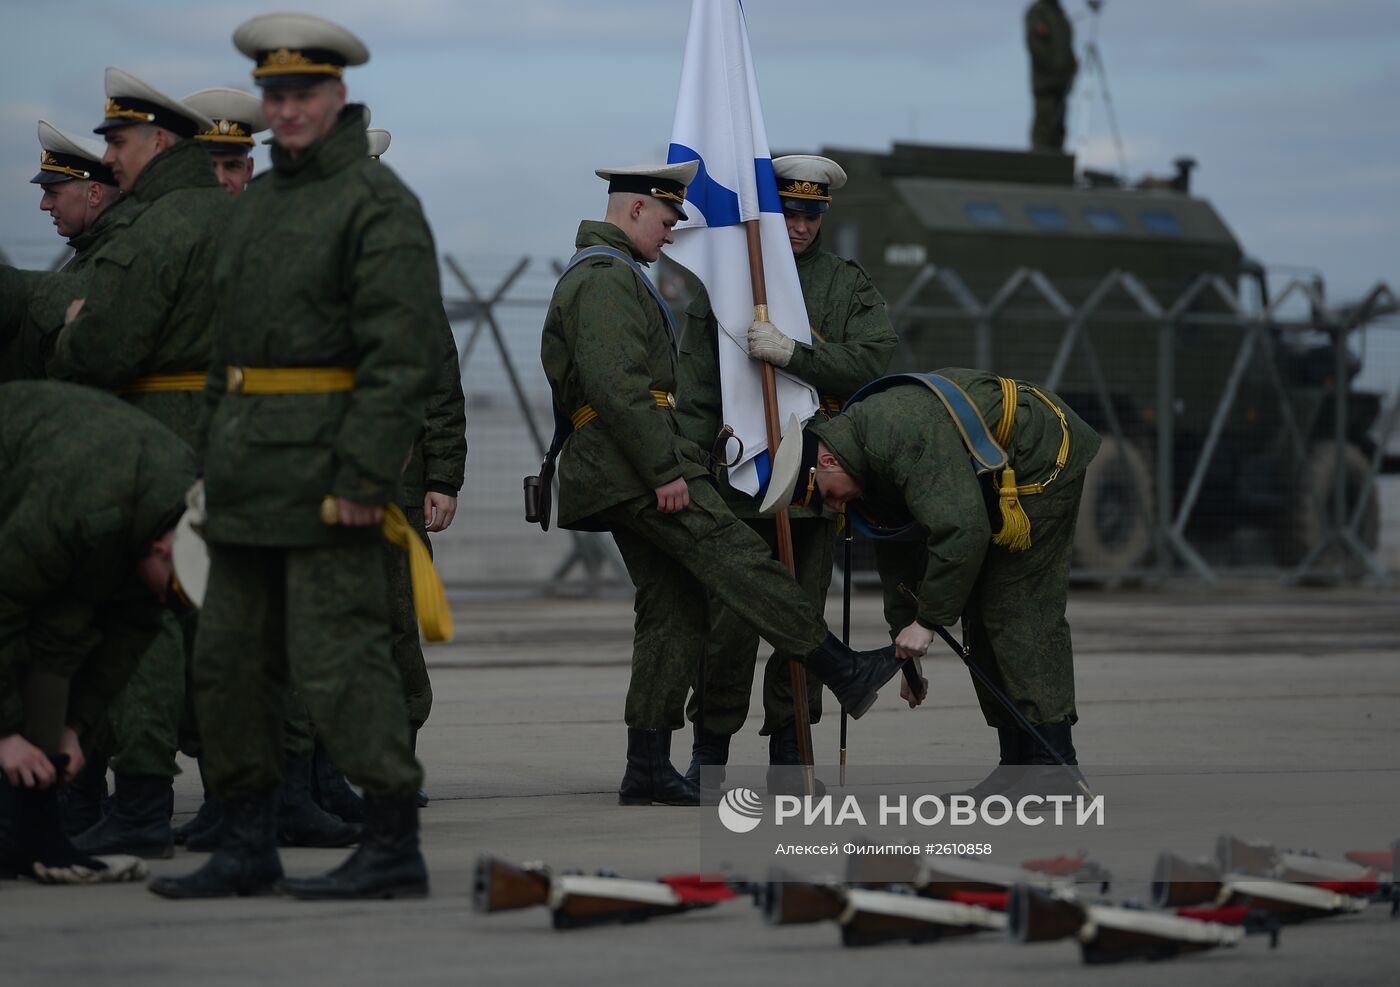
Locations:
(90, 492)
(974, 523)
(853, 343)
(608, 349)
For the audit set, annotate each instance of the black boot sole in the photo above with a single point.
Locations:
(409, 890)
(164, 890)
(145, 851)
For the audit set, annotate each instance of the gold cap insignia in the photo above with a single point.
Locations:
(798, 189)
(115, 111)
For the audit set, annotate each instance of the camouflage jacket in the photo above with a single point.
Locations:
(1050, 41)
(86, 484)
(148, 300)
(33, 303)
(606, 345)
(328, 262)
(852, 344)
(442, 450)
(905, 451)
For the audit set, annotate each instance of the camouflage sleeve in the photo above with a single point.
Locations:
(699, 403)
(128, 298)
(395, 302)
(610, 355)
(943, 495)
(851, 354)
(445, 439)
(14, 300)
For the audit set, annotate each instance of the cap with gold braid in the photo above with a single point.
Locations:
(237, 117)
(378, 141)
(665, 182)
(294, 50)
(806, 181)
(131, 101)
(65, 157)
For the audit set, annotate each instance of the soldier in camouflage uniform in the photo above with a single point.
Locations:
(608, 349)
(852, 343)
(321, 365)
(898, 457)
(1050, 42)
(82, 196)
(90, 490)
(141, 328)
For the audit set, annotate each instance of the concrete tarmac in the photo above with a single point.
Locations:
(525, 747)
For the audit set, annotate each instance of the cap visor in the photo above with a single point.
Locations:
(786, 465)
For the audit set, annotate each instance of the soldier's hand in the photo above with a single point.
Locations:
(913, 641)
(674, 496)
(74, 307)
(438, 510)
(69, 745)
(907, 694)
(353, 515)
(768, 343)
(25, 766)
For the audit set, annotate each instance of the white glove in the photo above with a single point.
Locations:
(110, 870)
(767, 343)
(194, 503)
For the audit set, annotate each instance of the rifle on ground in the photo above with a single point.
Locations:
(1108, 934)
(579, 900)
(1178, 883)
(869, 918)
(1260, 859)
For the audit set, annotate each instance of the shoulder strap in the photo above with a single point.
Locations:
(596, 251)
(987, 456)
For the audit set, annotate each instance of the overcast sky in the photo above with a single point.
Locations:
(500, 109)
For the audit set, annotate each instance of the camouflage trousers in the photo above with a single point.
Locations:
(143, 726)
(676, 561)
(1015, 615)
(403, 621)
(314, 619)
(731, 651)
(1048, 126)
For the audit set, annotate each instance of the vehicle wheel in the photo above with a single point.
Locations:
(1308, 519)
(1114, 530)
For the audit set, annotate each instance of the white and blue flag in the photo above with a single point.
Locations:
(719, 122)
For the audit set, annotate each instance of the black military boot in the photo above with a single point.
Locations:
(39, 848)
(246, 861)
(386, 864)
(854, 676)
(707, 750)
(300, 821)
(421, 797)
(650, 776)
(1046, 776)
(80, 801)
(330, 789)
(139, 820)
(1015, 746)
(202, 829)
(785, 775)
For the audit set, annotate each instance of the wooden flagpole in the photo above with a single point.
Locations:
(801, 714)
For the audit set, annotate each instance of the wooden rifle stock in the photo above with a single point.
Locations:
(502, 887)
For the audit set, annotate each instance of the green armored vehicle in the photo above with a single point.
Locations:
(1011, 260)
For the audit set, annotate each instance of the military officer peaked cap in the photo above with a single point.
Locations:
(131, 101)
(237, 117)
(665, 182)
(792, 479)
(297, 49)
(806, 181)
(378, 141)
(65, 157)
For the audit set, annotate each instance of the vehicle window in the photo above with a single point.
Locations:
(985, 214)
(1047, 217)
(1163, 223)
(1103, 220)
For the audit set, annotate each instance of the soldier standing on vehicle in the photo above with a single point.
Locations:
(608, 349)
(323, 351)
(852, 344)
(1050, 41)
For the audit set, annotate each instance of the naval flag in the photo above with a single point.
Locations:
(719, 122)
